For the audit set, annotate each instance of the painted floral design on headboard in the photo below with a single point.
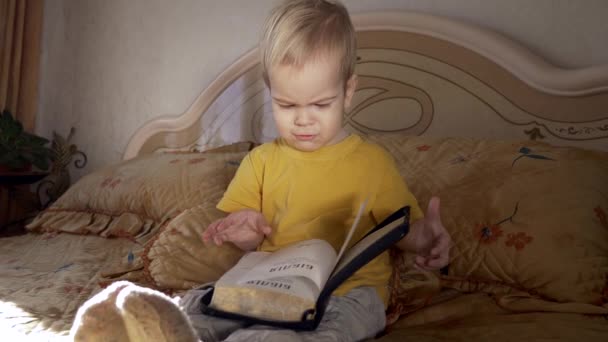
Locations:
(389, 105)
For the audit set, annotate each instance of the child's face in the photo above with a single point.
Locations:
(308, 102)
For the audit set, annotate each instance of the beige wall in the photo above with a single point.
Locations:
(109, 66)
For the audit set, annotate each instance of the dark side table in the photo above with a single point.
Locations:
(17, 202)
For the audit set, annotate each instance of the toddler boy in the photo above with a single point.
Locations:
(310, 181)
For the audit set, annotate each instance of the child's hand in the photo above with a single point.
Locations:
(429, 239)
(245, 228)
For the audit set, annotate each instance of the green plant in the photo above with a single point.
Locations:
(20, 149)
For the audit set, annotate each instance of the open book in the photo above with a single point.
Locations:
(291, 287)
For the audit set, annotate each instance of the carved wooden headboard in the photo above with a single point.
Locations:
(418, 75)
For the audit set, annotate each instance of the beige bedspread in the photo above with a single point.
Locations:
(45, 278)
(477, 317)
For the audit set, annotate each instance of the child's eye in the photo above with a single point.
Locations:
(286, 106)
(321, 105)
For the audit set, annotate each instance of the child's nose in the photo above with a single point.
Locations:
(303, 117)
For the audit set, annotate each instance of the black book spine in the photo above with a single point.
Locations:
(362, 259)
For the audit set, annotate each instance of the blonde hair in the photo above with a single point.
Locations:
(299, 30)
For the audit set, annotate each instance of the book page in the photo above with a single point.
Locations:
(353, 227)
(365, 243)
(275, 298)
(245, 264)
(312, 259)
(300, 269)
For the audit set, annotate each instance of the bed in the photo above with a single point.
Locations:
(516, 148)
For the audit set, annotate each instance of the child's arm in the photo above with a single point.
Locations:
(429, 239)
(244, 228)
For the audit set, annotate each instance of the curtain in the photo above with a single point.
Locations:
(20, 36)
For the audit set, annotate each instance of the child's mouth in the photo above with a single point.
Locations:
(304, 137)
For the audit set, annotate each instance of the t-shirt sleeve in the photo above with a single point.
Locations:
(245, 189)
(393, 193)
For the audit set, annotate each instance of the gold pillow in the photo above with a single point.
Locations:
(527, 219)
(135, 197)
(177, 259)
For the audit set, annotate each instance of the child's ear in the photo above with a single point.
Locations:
(351, 86)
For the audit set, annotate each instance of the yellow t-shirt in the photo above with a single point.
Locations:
(306, 195)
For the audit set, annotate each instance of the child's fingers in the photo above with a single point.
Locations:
(205, 236)
(238, 236)
(262, 226)
(438, 262)
(218, 240)
(210, 231)
(420, 266)
(424, 267)
(432, 211)
(231, 233)
(442, 244)
(423, 263)
(238, 228)
(224, 224)
(431, 264)
(218, 226)
(224, 231)
(420, 260)
(266, 230)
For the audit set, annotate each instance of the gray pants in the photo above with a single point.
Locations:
(356, 316)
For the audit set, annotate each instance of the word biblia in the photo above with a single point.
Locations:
(294, 266)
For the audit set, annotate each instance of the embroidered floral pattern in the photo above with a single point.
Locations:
(463, 159)
(534, 133)
(526, 152)
(423, 148)
(601, 215)
(487, 234)
(519, 240)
